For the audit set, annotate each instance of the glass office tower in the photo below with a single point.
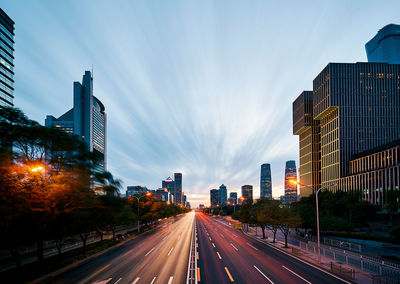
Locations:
(247, 193)
(178, 188)
(214, 197)
(6, 60)
(223, 195)
(385, 46)
(290, 187)
(265, 182)
(87, 119)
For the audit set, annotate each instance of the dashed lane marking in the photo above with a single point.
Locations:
(154, 279)
(219, 256)
(252, 246)
(265, 276)
(234, 247)
(305, 280)
(136, 280)
(229, 274)
(149, 252)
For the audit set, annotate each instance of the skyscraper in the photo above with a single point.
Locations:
(355, 108)
(6, 60)
(87, 119)
(385, 45)
(178, 188)
(247, 193)
(265, 182)
(290, 188)
(223, 195)
(169, 184)
(214, 197)
(233, 196)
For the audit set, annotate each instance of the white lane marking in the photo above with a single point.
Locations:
(149, 252)
(102, 282)
(165, 237)
(154, 279)
(213, 244)
(305, 280)
(136, 280)
(252, 246)
(170, 280)
(170, 251)
(117, 281)
(222, 236)
(234, 246)
(263, 274)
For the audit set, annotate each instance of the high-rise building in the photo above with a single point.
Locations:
(265, 182)
(309, 140)
(135, 189)
(290, 176)
(385, 45)
(169, 184)
(214, 197)
(357, 108)
(247, 193)
(233, 196)
(178, 188)
(87, 119)
(6, 60)
(223, 195)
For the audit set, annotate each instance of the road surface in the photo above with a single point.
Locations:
(226, 255)
(158, 256)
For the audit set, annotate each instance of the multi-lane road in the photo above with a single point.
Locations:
(227, 255)
(158, 256)
(223, 254)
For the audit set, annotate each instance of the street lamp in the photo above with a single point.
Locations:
(37, 169)
(316, 204)
(138, 200)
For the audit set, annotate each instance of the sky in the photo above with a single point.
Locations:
(199, 87)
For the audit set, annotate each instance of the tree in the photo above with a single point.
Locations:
(288, 218)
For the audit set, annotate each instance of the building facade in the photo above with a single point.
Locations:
(135, 190)
(290, 187)
(223, 195)
(247, 193)
(265, 182)
(214, 197)
(178, 188)
(233, 197)
(357, 108)
(385, 45)
(6, 60)
(87, 119)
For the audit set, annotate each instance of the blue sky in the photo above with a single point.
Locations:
(199, 87)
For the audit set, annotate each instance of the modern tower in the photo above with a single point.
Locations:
(233, 197)
(385, 45)
(6, 60)
(214, 197)
(169, 184)
(178, 188)
(247, 193)
(87, 119)
(290, 187)
(223, 195)
(265, 182)
(353, 108)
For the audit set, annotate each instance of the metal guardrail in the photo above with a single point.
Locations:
(192, 265)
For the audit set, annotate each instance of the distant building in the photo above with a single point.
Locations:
(164, 192)
(6, 60)
(290, 176)
(223, 195)
(201, 206)
(135, 190)
(247, 193)
(265, 182)
(87, 119)
(178, 188)
(169, 184)
(233, 197)
(385, 46)
(214, 197)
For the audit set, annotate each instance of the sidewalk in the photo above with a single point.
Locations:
(312, 258)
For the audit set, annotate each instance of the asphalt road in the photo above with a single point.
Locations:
(227, 255)
(158, 256)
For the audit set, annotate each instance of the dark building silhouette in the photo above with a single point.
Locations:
(290, 176)
(223, 195)
(233, 197)
(6, 60)
(169, 184)
(214, 197)
(265, 182)
(247, 193)
(178, 188)
(385, 45)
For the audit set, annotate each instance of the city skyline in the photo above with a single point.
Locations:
(157, 122)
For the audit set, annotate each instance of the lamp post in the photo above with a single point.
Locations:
(316, 204)
(138, 206)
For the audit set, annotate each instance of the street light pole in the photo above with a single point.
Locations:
(316, 205)
(138, 206)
